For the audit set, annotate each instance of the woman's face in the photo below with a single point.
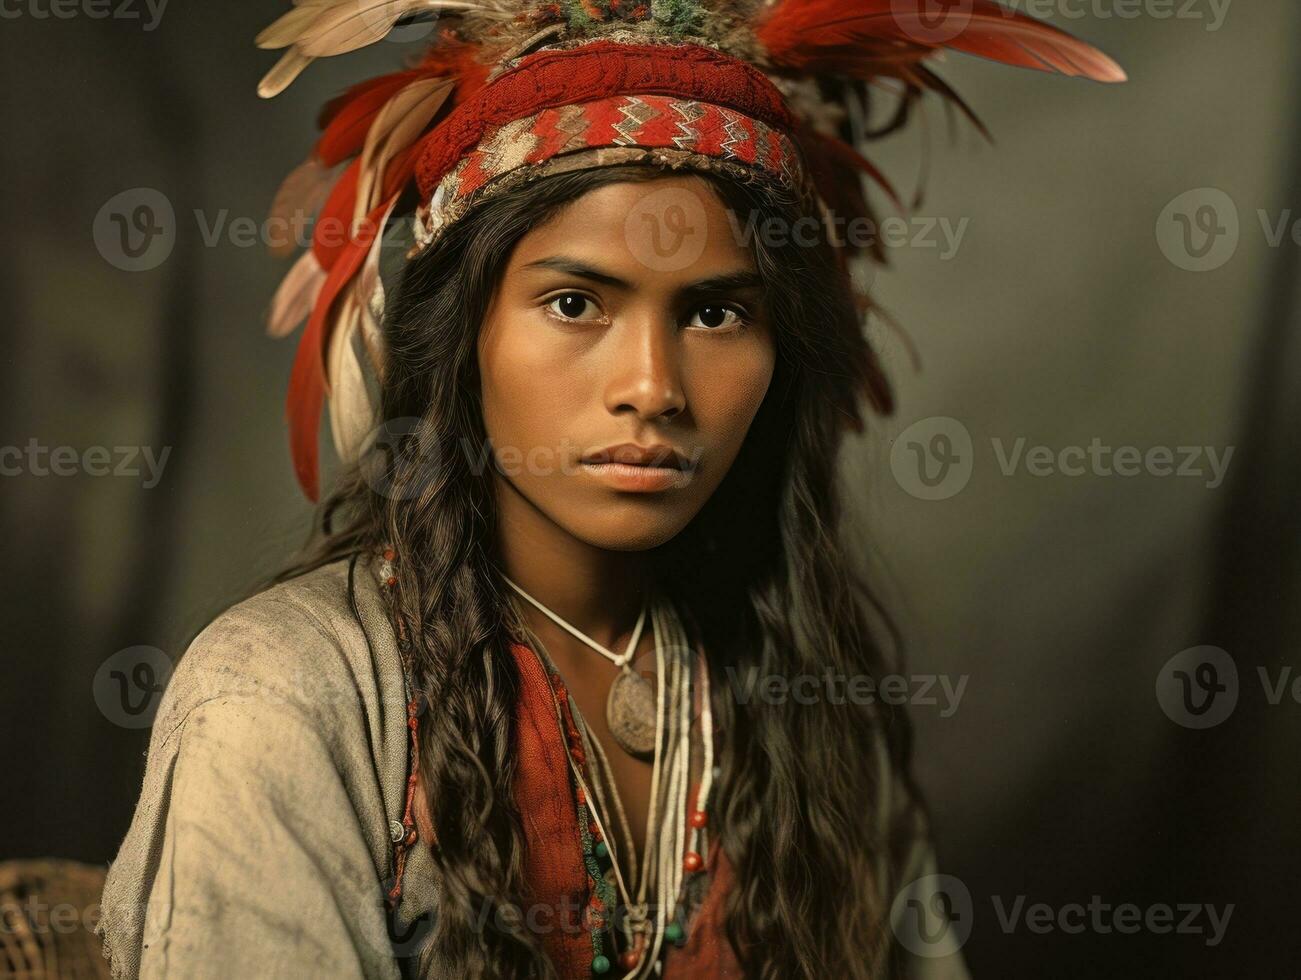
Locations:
(623, 357)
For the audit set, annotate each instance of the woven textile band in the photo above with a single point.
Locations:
(679, 105)
(658, 129)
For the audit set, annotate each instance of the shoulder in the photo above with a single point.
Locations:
(297, 644)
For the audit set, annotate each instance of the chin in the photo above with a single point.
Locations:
(636, 527)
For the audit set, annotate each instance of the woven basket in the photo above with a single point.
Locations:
(49, 909)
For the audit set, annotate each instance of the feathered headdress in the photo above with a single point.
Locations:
(511, 89)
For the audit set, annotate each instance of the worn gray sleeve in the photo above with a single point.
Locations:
(264, 870)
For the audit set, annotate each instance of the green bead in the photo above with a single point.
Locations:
(601, 850)
(673, 932)
(600, 965)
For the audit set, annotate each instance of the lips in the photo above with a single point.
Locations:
(655, 456)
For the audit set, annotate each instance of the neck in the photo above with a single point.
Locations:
(596, 590)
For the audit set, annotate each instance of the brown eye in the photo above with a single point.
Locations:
(715, 317)
(570, 306)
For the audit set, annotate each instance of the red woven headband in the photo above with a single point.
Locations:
(680, 99)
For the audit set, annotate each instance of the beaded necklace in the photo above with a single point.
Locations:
(679, 811)
(644, 936)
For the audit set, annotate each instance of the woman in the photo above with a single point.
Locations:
(519, 712)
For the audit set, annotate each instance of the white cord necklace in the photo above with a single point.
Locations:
(630, 705)
(618, 659)
(673, 849)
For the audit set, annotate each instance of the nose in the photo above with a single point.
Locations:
(646, 378)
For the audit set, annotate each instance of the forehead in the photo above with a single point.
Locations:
(675, 226)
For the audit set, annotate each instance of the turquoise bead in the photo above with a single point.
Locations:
(600, 965)
(601, 850)
(673, 932)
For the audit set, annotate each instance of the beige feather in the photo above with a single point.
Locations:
(281, 76)
(371, 336)
(370, 297)
(298, 199)
(289, 27)
(396, 126)
(296, 295)
(353, 24)
(352, 412)
(322, 28)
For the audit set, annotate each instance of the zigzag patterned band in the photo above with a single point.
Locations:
(661, 129)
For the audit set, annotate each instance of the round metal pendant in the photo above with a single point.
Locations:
(630, 714)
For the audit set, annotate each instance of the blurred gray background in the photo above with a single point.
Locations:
(1120, 281)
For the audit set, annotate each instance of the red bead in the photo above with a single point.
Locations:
(699, 819)
(629, 960)
(692, 862)
(390, 554)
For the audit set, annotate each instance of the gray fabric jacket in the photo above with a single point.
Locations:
(261, 843)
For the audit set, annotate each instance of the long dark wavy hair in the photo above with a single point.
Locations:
(761, 571)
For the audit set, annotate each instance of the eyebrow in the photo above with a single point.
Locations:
(724, 282)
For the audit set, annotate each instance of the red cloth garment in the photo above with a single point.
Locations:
(707, 952)
(555, 880)
(554, 876)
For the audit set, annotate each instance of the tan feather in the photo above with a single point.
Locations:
(289, 27)
(396, 126)
(368, 276)
(370, 294)
(298, 199)
(352, 412)
(296, 295)
(279, 78)
(353, 24)
(372, 337)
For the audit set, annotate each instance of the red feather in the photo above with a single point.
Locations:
(820, 37)
(348, 117)
(400, 170)
(307, 380)
(836, 152)
(329, 237)
(462, 60)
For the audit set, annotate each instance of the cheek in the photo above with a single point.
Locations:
(522, 385)
(726, 391)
